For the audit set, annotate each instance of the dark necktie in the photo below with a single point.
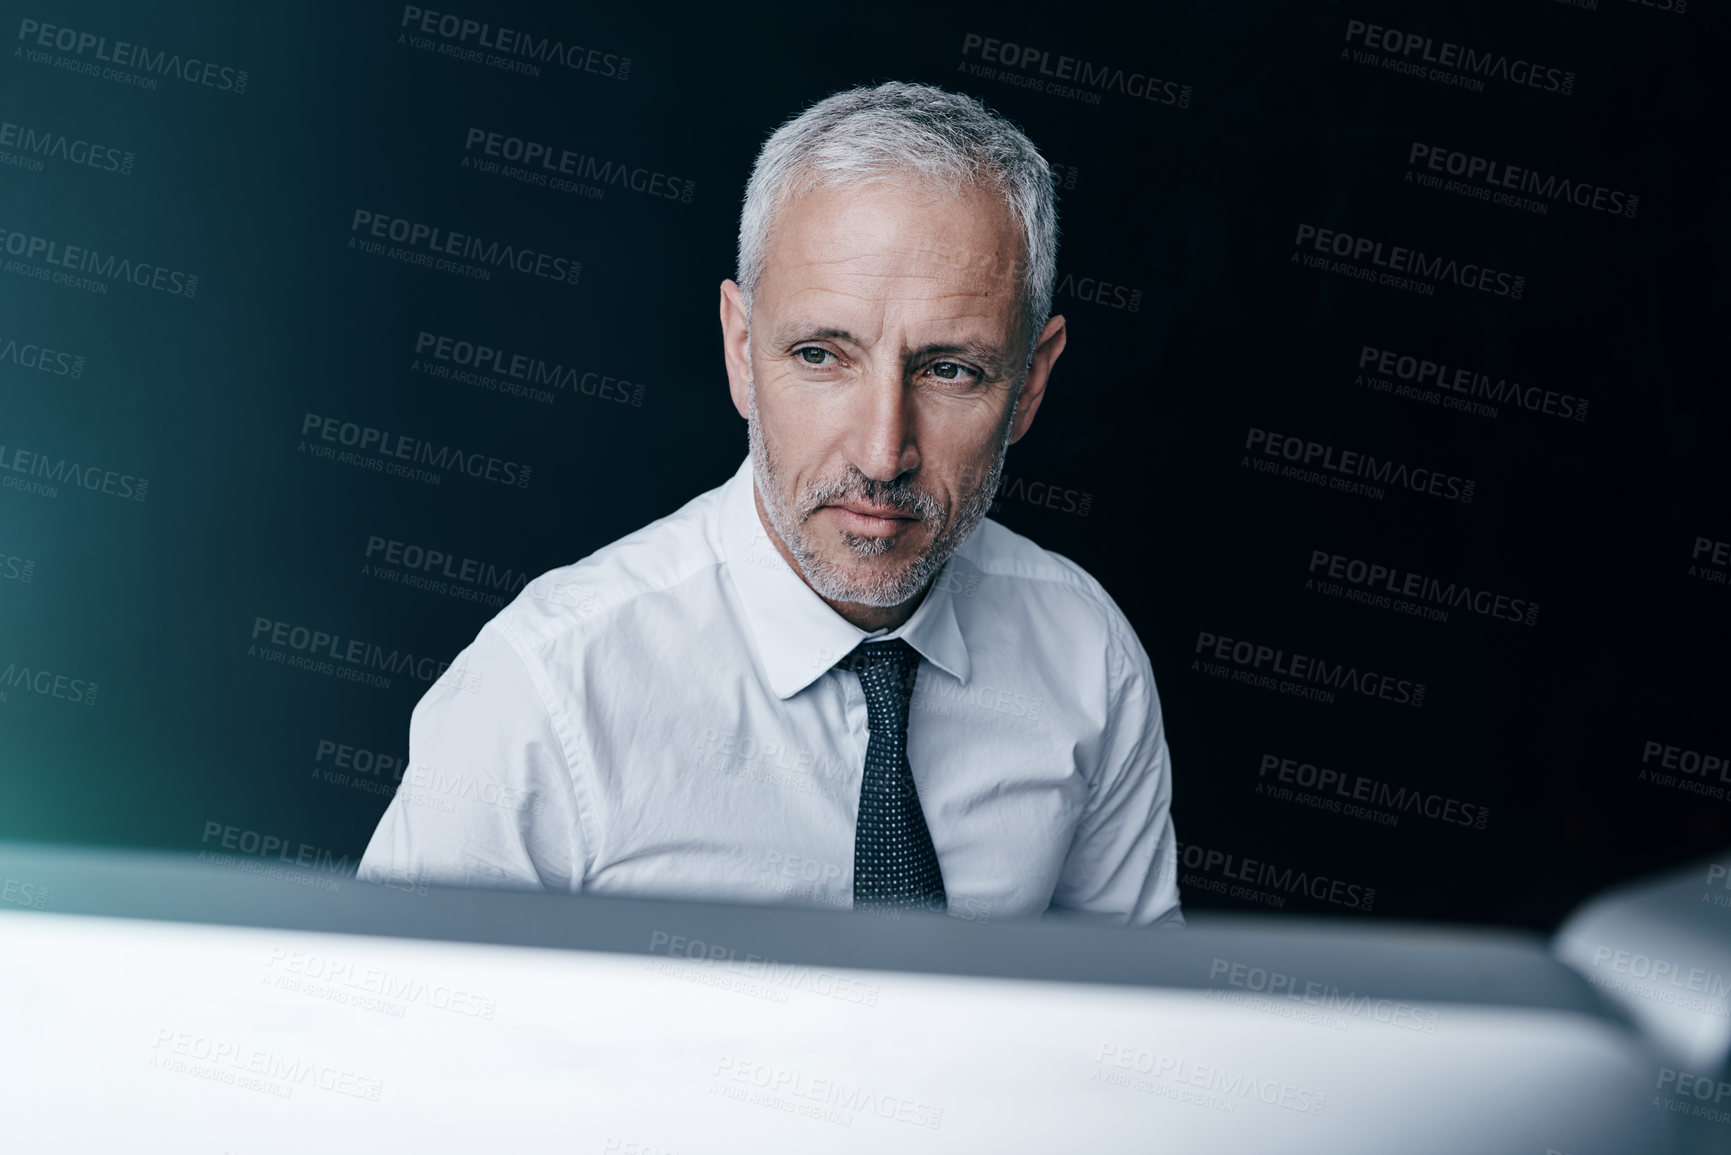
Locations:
(893, 860)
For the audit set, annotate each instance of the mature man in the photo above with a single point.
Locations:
(831, 679)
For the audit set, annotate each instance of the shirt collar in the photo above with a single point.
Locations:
(798, 636)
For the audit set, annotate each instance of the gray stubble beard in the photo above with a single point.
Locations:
(880, 590)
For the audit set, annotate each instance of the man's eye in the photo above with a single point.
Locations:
(951, 371)
(812, 355)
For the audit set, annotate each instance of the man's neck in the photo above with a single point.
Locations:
(868, 618)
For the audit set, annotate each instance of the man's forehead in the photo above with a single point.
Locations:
(885, 228)
(903, 253)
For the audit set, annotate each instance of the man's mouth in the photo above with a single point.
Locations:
(864, 518)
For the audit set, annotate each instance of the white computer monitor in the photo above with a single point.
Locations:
(158, 1004)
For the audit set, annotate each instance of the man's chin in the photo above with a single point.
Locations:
(851, 579)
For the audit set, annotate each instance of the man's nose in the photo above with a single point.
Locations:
(884, 425)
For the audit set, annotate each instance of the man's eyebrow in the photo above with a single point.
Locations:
(793, 332)
(989, 355)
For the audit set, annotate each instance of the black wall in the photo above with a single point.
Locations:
(164, 492)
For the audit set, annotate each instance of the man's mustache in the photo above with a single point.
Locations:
(902, 497)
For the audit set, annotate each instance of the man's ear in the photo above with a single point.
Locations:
(736, 346)
(1051, 344)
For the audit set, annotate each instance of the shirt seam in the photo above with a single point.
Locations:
(569, 626)
(1118, 683)
(1082, 583)
(581, 805)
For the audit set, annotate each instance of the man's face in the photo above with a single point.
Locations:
(879, 380)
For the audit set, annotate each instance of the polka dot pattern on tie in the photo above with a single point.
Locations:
(894, 863)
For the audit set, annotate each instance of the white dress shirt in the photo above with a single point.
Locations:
(664, 718)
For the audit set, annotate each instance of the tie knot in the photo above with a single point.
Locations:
(895, 653)
(886, 673)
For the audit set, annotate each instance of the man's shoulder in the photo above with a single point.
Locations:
(1067, 612)
(1028, 568)
(582, 596)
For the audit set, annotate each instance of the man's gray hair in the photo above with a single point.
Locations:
(944, 139)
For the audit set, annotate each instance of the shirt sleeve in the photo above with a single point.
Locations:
(1123, 859)
(487, 798)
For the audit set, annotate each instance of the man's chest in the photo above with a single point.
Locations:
(745, 797)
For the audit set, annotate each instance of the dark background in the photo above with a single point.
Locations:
(1193, 207)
